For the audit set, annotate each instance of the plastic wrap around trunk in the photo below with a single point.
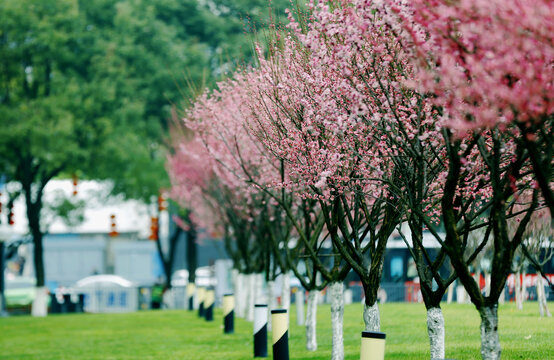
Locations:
(372, 319)
(435, 329)
(285, 296)
(311, 317)
(299, 299)
(39, 308)
(336, 294)
(490, 344)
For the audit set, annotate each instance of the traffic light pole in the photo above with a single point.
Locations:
(3, 311)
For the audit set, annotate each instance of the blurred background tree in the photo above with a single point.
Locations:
(88, 86)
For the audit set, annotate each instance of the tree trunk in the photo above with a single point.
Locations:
(271, 301)
(192, 253)
(451, 289)
(311, 319)
(336, 293)
(371, 317)
(435, 329)
(285, 295)
(299, 299)
(241, 295)
(490, 343)
(541, 298)
(251, 297)
(519, 291)
(39, 307)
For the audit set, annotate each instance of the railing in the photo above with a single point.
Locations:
(110, 299)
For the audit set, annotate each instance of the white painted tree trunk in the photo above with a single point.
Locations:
(461, 295)
(502, 297)
(241, 295)
(285, 295)
(541, 298)
(299, 300)
(251, 297)
(271, 301)
(519, 290)
(39, 307)
(451, 289)
(490, 343)
(372, 319)
(311, 320)
(336, 295)
(435, 329)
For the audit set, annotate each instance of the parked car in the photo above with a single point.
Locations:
(20, 292)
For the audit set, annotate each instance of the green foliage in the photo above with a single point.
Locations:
(182, 335)
(70, 210)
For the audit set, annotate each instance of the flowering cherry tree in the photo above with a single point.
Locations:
(489, 64)
(484, 78)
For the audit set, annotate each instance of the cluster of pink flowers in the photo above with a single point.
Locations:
(342, 102)
(489, 62)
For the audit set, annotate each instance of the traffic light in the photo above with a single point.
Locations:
(10, 214)
(113, 226)
(154, 226)
(75, 182)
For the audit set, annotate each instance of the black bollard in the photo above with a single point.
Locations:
(209, 305)
(260, 330)
(201, 294)
(280, 327)
(55, 307)
(190, 296)
(228, 313)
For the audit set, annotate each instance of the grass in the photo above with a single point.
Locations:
(182, 335)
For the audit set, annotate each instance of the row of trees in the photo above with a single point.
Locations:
(367, 115)
(87, 87)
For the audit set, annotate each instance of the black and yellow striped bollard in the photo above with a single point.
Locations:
(260, 330)
(190, 296)
(228, 313)
(373, 346)
(209, 305)
(201, 294)
(280, 327)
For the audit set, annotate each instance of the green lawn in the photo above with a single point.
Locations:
(182, 335)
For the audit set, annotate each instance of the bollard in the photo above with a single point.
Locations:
(201, 294)
(280, 324)
(260, 330)
(373, 346)
(80, 306)
(190, 296)
(209, 300)
(228, 314)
